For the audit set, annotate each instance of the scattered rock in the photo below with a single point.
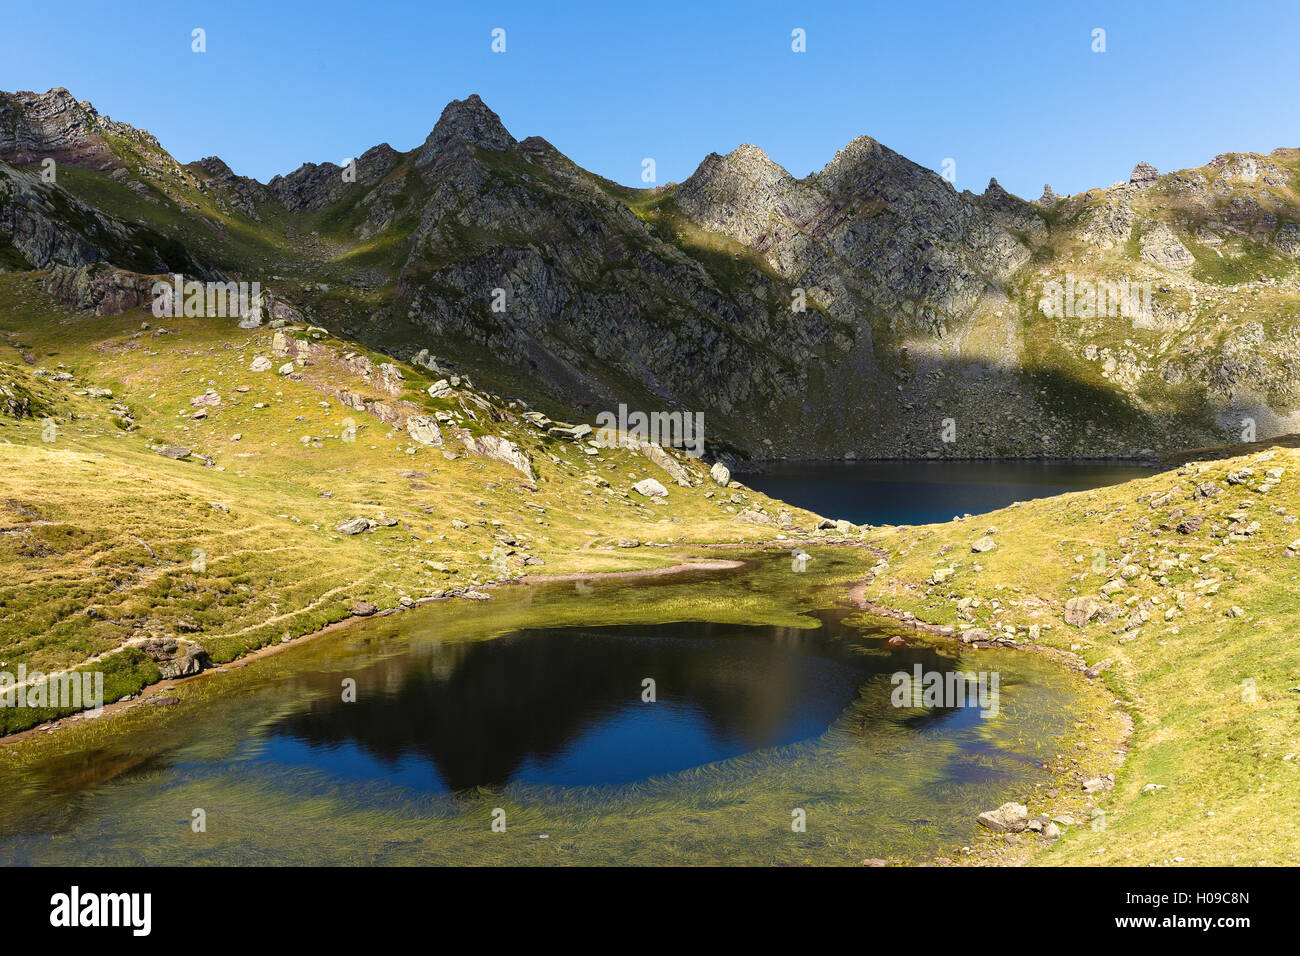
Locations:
(1008, 818)
(1080, 610)
(424, 430)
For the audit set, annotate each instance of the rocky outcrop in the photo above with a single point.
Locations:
(464, 125)
(175, 658)
(851, 312)
(1162, 248)
(314, 186)
(424, 430)
(53, 125)
(1144, 176)
(48, 226)
(237, 192)
(498, 449)
(100, 289)
(842, 233)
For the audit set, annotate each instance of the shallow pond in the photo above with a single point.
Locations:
(922, 492)
(770, 702)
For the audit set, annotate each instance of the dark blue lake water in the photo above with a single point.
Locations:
(923, 492)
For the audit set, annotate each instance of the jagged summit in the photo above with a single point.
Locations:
(467, 122)
(917, 295)
(1144, 175)
(54, 124)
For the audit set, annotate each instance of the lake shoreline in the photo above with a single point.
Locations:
(760, 466)
(155, 689)
(1058, 797)
(986, 850)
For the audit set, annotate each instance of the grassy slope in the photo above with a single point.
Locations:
(1211, 694)
(99, 534)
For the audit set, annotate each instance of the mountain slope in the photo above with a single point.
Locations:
(869, 309)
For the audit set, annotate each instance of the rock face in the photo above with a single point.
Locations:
(314, 186)
(100, 289)
(1162, 248)
(846, 312)
(46, 226)
(464, 125)
(862, 211)
(54, 125)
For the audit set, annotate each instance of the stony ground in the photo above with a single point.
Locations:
(1179, 591)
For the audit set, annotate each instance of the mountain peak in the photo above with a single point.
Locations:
(54, 124)
(467, 122)
(739, 169)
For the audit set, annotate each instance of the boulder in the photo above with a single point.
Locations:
(1080, 610)
(354, 526)
(650, 488)
(720, 473)
(99, 288)
(1008, 818)
(424, 430)
(983, 544)
(498, 449)
(175, 658)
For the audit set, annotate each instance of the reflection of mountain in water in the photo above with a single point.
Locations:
(564, 705)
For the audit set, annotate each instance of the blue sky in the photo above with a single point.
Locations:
(1011, 90)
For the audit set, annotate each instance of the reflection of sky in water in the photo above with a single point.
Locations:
(564, 707)
(295, 776)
